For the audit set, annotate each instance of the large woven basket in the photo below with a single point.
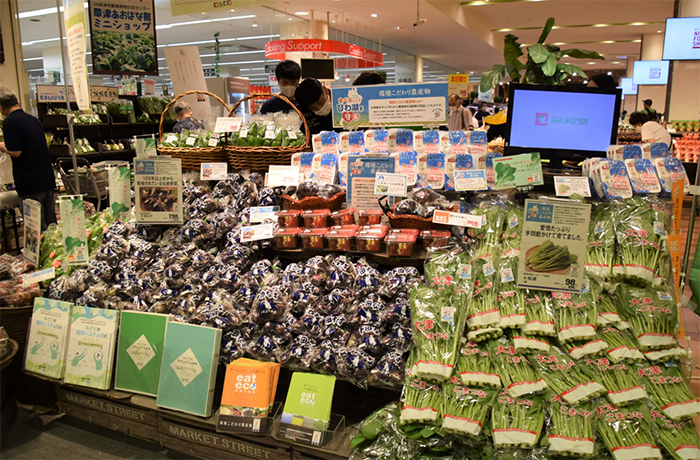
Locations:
(260, 158)
(191, 158)
(409, 221)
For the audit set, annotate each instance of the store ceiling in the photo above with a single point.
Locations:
(455, 36)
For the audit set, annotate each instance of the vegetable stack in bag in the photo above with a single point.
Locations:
(474, 367)
(668, 390)
(485, 240)
(606, 308)
(483, 317)
(465, 408)
(421, 401)
(626, 432)
(517, 375)
(512, 227)
(539, 315)
(652, 313)
(510, 298)
(638, 247)
(601, 243)
(516, 423)
(571, 381)
(570, 431)
(575, 314)
(619, 380)
(679, 439)
(621, 346)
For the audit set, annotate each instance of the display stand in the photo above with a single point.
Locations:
(243, 424)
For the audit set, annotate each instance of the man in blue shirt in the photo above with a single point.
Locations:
(185, 120)
(288, 74)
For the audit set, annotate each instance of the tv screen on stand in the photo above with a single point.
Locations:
(563, 123)
(650, 73)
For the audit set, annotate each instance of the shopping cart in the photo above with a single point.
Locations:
(93, 181)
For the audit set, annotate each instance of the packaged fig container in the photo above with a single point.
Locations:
(344, 216)
(342, 239)
(290, 218)
(435, 238)
(316, 218)
(400, 244)
(370, 217)
(371, 240)
(314, 238)
(288, 238)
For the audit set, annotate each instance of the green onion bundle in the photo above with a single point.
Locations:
(564, 376)
(652, 313)
(465, 408)
(517, 375)
(619, 380)
(679, 439)
(621, 346)
(607, 310)
(511, 299)
(487, 238)
(483, 318)
(474, 367)
(627, 430)
(438, 318)
(637, 244)
(539, 317)
(575, 314)
(516, 422)
(570, 431)
(601, 244)
(668, 390)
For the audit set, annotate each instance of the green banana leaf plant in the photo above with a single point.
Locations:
(541, 66)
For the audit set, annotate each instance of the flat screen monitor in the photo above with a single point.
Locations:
(562, 122)
(650, 73)
(628, 88)
(320, 69)
(682, 39)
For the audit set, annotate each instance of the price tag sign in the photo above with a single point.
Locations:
(256, 232)
(390, 184)
(474, 179)
(260, 213)
(283, 176)
(569, 185)
(227, 124)
(459, 220)
(38, 277)
(518, 171)
(213, 171)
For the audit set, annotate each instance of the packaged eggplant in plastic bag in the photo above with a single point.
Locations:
(398, 338)
(262, 347)
(389, 371)
(398, 312)
(367, 339)
(570, 431)
(354, 365)
(294, 356)
(368, 280)
(322, 359)
(270, 304)
(342, 274)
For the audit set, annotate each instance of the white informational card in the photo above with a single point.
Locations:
(473, 179)
(459, 220)
(213, 171)
(256, 232)
(569, 185)
(283, 176)
(390, 184)
(227, 124)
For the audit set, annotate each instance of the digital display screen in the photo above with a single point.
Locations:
(628, 87)
(320, 69)
(682, 39)
(650, 73)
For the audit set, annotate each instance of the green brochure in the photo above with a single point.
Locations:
(140, 351)
(518, 171)
(48, 332)
(309, 401)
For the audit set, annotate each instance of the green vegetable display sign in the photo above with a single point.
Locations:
(553, 248)
(75, 242)
(123, 37)
(120, 189)
(518, 171)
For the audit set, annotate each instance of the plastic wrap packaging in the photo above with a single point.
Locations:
(354, 365)
(652, 313)
(487, 238)
(601, 243)
(622, 347)
(678, 439)
(642, 176)
(510, 299)
(637, 253)
(517, 375)
(483, 317)
(570, 431)
(668, 390)
(589, 348)
(539, 315)
(421, 401)
(575, 314)
(571, 381)
(608, 314)
(626, 431)
(474, 367)
(512, 228)
(465, 408)
(619, 380)
(517, 423)
(389, 371)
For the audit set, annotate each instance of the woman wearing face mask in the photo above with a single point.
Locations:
(315, 103)
(651, 130)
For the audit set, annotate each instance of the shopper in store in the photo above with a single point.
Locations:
(460, 117)
(185, 120)
(651, 113)
(602, 80)
(316, 101)
(481, 113)
(288, 74)
(368, 78)
(651, 130)
(25, 142)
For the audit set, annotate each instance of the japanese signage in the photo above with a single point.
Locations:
(260, 213)
(213, 171)
(50, 93)
(553, 246)
(123, 34)
(73, 227)
(278, 49)
(149, 87)
(238, 85)
(119, 189)
(518, 171)
(187, 74)
(459, 84)
(256, 232)
(38, 276)
(569, 185)
(158, 190)
(32, 230)
(179, 7)
(283, 176)
(227, 124)
(362, 172)
(460, 220)
(390, 184)
(472, 179)
(128, 87)
(74, 18)
(386, 105)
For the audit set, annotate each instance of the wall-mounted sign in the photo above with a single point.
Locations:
(278, 49)
(238, 85)
(51, 93)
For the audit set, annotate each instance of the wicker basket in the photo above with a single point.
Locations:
(7, 360)
(409, 221)
(313, 202)
(191, 158)
(260, 158)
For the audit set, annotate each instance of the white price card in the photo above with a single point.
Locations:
(459, 220)
(213, 171)
(390, 184)
(568, 185)
(283, 176)
(38, 277)
(473, 179)
(256, 232)
(260, 213)
(227, 124)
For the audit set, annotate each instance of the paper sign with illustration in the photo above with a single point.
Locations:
(119, 189)
(32, 230)
(518, 171)
(73, 226)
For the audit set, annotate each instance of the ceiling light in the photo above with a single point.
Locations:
(291, 19)
(585, 82)
(398, 27)
(574, 74)
(203, 21)
(32, 59)
(232, 11)
(255, 24)
(301, 13)
(609, 73)
(568, 79)
(658, 31)
(374, 15)
(622, 57)
(591, 63)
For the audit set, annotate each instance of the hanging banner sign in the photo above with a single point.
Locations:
(158, 190)
(459, 84)
(76, 39)
(119, 189)
(408, 104)
(278, 49)
(73, 226)
(187, 74)
(32, 230)
(123, 34)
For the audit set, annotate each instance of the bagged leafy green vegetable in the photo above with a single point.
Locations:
(601, 243)
(512, 227)
(448, 268)
(516, 422)
(679, 439)
(621, 346)
(518, 376)
(626, 431)
(638, 247)
(539, 316)
(593, 347)
(483, 318)
(619, 380)
(652, 313)
(465, 408)
(668, 390)
(475, 368)
(421, 400)
(510, 299)
(607, 311)
(575, 314)
(570, 431)
(486, 238)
